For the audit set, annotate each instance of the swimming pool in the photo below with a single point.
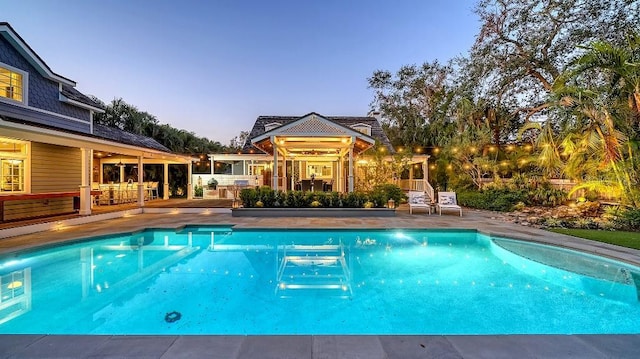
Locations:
(217, 280)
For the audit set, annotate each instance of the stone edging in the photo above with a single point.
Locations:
(313, 212)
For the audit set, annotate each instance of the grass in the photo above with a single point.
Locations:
(624, 239)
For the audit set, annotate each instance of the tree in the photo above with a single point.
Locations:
(414, 102)
(124, 116)
(238, 142)
(602, 90)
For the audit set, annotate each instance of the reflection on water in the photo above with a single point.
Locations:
(212, 280)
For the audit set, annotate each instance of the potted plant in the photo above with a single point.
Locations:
(212, 183)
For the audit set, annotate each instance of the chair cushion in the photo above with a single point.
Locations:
(446, 200)
(416, 200)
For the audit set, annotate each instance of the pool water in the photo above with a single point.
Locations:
(216, 280)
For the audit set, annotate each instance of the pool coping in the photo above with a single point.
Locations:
(305, 346)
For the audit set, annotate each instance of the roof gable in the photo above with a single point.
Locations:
(25, 50)
(340, 122)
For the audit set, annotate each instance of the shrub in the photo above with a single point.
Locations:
(249, 197)
(355, 200)
(382, 193)
(493, 199)
(198, 191)
(628, 219)
(545, 195)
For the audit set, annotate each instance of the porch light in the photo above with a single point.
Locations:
(391, 203)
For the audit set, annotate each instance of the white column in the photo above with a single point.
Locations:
(411, 177)
(121, 170)
(284, 172)
(85, 186)
(293, 172)
(166, 181)
(190, 181)
(339, 175)
(425, 174)
(274, 182)
(351, 164)
(141, 188)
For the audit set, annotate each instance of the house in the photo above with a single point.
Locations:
(50, 149)
(291, 152)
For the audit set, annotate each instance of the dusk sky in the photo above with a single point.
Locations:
(212, 67)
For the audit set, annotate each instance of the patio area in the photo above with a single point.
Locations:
(499, 346)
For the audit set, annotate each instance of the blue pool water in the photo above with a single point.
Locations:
(215, 280)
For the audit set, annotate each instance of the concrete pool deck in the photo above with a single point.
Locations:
(499, 346)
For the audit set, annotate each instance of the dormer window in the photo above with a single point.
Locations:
(362, 128)
(271, 126)
(12, 83)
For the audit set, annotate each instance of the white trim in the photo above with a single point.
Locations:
(45, 135)
(48, 112)
(26, 158)
(64, 98)
(24, 49)
(278, 131)
(25, 86)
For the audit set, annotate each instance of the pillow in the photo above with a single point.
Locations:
(446, 200)
(417, 200)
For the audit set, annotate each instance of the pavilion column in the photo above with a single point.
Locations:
(190, 180)
(274, 182)
(339, 175)
(85, 186)
(122, 171)
(351, 165)
(141, 188)
(293, 171)
(425, 174)
(165, 195)
(411, 178)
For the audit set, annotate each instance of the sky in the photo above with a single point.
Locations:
(212, 67)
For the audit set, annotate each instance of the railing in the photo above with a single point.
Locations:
(419, 185)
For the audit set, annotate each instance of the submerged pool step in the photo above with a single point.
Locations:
(314, 268)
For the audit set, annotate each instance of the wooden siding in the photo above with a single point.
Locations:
(53, 169)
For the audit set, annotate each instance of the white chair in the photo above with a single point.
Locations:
(447, 200)
(418, 200)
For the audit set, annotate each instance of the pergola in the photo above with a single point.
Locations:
(313, 138)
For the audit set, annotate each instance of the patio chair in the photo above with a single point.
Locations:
(447, 200)
(318, 185)
(418, 200)
(154, 190)
(328, 186)
(305, 185)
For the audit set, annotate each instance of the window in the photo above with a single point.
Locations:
(12, 83)
(320, 170)
(13, 159)
(271, 126)
(362, 128)
(257, 170)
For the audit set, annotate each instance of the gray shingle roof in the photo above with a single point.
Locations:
(118, 135)
(346, 121)
(73, 94)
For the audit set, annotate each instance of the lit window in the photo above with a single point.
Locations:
(320, 170)
(11, 84)
(13, 159)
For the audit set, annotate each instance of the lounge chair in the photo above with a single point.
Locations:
(418, 200)
(447, 200)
